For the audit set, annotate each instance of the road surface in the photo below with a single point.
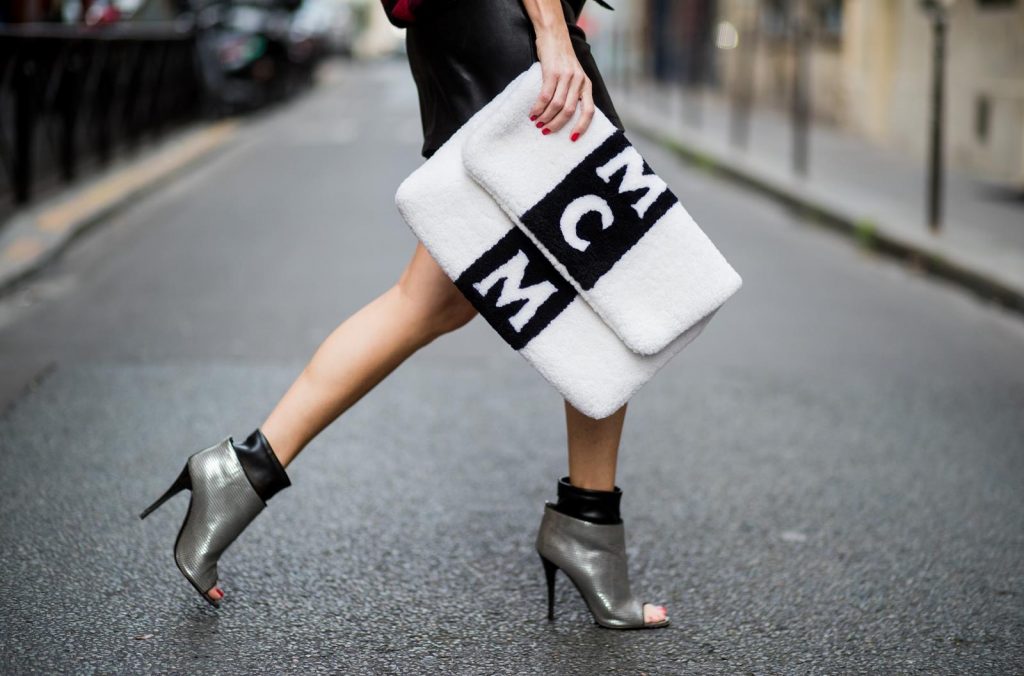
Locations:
(828, 481)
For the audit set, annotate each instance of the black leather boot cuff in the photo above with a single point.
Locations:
(593, 506)
(261, 466)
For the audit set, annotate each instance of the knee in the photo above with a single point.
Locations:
(438, 310)
(455, 312)
(450, 312)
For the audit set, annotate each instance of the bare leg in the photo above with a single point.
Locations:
(593, 455)
(593, 448)
(365, 348)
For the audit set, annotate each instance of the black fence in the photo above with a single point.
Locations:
(71, 96)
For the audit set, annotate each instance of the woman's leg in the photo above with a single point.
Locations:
(593, 448)
(593, 455)
(363, 350)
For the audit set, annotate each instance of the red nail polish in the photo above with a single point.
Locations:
(575, 135)
(539, 125)
(546, 131)
(532, 118)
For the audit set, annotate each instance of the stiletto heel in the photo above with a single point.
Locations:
(549, 573)
(181, 483)
(593, 557)
(229, 485)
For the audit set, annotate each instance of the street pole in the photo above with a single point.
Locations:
(664, 81)
(25, 74)
(935, 141)
(801, 89)
(744, 93)
(698, 64)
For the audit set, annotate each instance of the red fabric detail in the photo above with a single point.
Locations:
(403, 10)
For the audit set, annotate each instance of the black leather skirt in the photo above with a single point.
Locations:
(465, 55)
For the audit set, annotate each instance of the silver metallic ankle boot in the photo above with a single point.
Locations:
(593, 555)
(224, 501)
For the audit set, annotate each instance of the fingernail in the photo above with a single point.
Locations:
(546, 131)
(575, 135)
(539, 125)
(532, 118)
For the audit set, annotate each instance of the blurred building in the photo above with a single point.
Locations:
(378, 37)
(869, 67)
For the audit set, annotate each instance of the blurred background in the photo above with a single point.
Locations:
(879, 100)
(828, 480)
(867, 68)
(81, 79)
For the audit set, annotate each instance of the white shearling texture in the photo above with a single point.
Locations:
(577, 353)
(669, 281)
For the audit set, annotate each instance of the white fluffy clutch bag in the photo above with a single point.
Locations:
(598, 278)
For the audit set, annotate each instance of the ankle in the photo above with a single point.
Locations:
(261, 465)
(601, 507)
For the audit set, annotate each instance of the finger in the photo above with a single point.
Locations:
(547, 90)
(572, 99)
(556, 103)
(587, 113)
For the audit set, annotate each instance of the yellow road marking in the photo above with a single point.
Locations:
(96, 198)
(22, 249)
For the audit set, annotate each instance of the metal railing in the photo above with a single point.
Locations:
(69, 94)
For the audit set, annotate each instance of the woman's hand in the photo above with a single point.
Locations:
(565, 86)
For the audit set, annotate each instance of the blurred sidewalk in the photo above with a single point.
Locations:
(871, 193)
(37, 233)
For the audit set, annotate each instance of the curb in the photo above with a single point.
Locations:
(867, 233)
(34, 237)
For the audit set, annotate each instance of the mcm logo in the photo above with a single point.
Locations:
(516, 288)
(634, 179)
(603, 207)
(511, 275)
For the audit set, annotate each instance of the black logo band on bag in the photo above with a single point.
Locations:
(516, 288)
(603, 207)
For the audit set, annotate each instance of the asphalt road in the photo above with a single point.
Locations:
(828, 481)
